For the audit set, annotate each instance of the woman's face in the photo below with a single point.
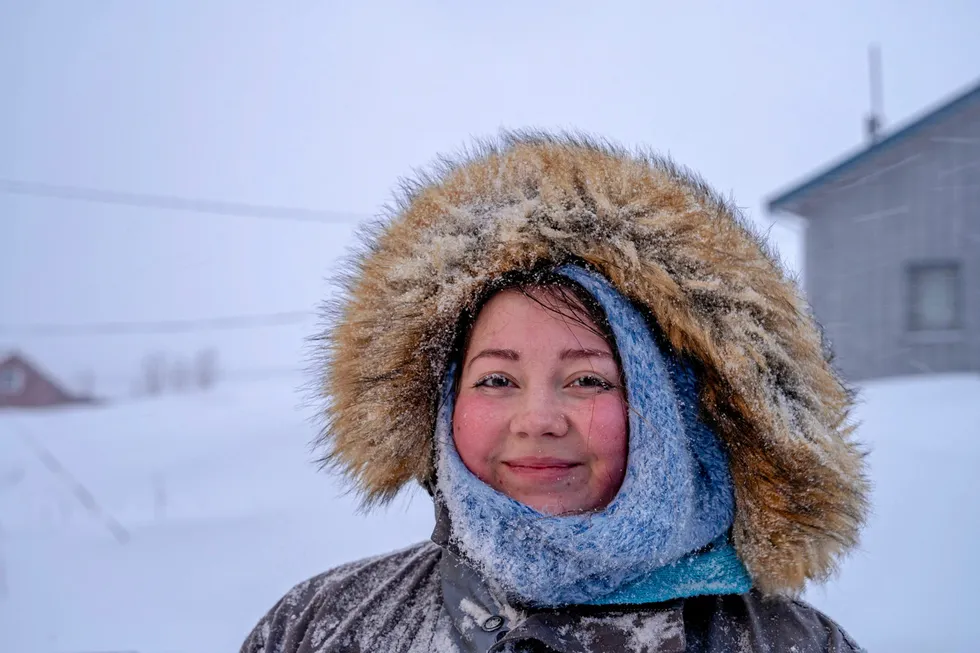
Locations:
(540, 414)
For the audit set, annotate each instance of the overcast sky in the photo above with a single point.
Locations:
(324, 105)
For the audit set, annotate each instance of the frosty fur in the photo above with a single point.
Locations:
(667, 242)
(676, 496)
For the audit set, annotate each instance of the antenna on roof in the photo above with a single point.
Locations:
(874, 119)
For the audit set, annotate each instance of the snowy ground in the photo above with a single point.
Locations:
(223, 512)
(914, 584)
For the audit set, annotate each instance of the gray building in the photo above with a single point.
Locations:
(892, 246)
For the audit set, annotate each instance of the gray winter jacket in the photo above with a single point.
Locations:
(720, 298)
(425, 599)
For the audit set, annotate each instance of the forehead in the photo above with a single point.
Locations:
(535, 314)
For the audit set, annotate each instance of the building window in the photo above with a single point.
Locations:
(935, 296)
(12, 380)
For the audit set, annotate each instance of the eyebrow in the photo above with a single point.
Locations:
(506, 354)
(567, 354)
(575, 354)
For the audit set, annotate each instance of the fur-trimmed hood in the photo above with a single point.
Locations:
(666, 241)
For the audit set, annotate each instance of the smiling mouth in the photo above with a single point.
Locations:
(532, 464)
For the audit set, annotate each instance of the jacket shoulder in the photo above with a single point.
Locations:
(755, 622)
(343, 597)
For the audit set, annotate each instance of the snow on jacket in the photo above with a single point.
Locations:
(426, 599)
(720, 298)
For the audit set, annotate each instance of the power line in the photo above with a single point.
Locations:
(222, 376)
(174, 203)
(161, 326)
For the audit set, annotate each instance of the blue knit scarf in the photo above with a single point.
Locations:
(663, 536)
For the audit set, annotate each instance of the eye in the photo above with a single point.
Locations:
(592, 381)
(493, 381)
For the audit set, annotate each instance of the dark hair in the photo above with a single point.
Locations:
(570, 301)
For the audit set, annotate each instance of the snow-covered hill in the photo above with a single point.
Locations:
(223, 511)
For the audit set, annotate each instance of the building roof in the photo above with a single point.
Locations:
(13, 357)
(16, 357)
(787, 198)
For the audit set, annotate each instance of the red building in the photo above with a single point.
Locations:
(22, 384)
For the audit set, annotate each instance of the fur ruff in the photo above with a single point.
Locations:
(665, 240)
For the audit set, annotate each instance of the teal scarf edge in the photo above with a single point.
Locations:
(714, 571)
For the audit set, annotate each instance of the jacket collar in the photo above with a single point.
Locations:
(483, 621)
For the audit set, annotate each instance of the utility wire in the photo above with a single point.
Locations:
(160, 327)
(221, 377)
(173, 203)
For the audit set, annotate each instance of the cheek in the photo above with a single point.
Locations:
(605, 426)
(478, 432)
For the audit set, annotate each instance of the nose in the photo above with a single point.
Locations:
(539, 413)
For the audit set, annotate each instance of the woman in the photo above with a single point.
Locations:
(624, 412)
